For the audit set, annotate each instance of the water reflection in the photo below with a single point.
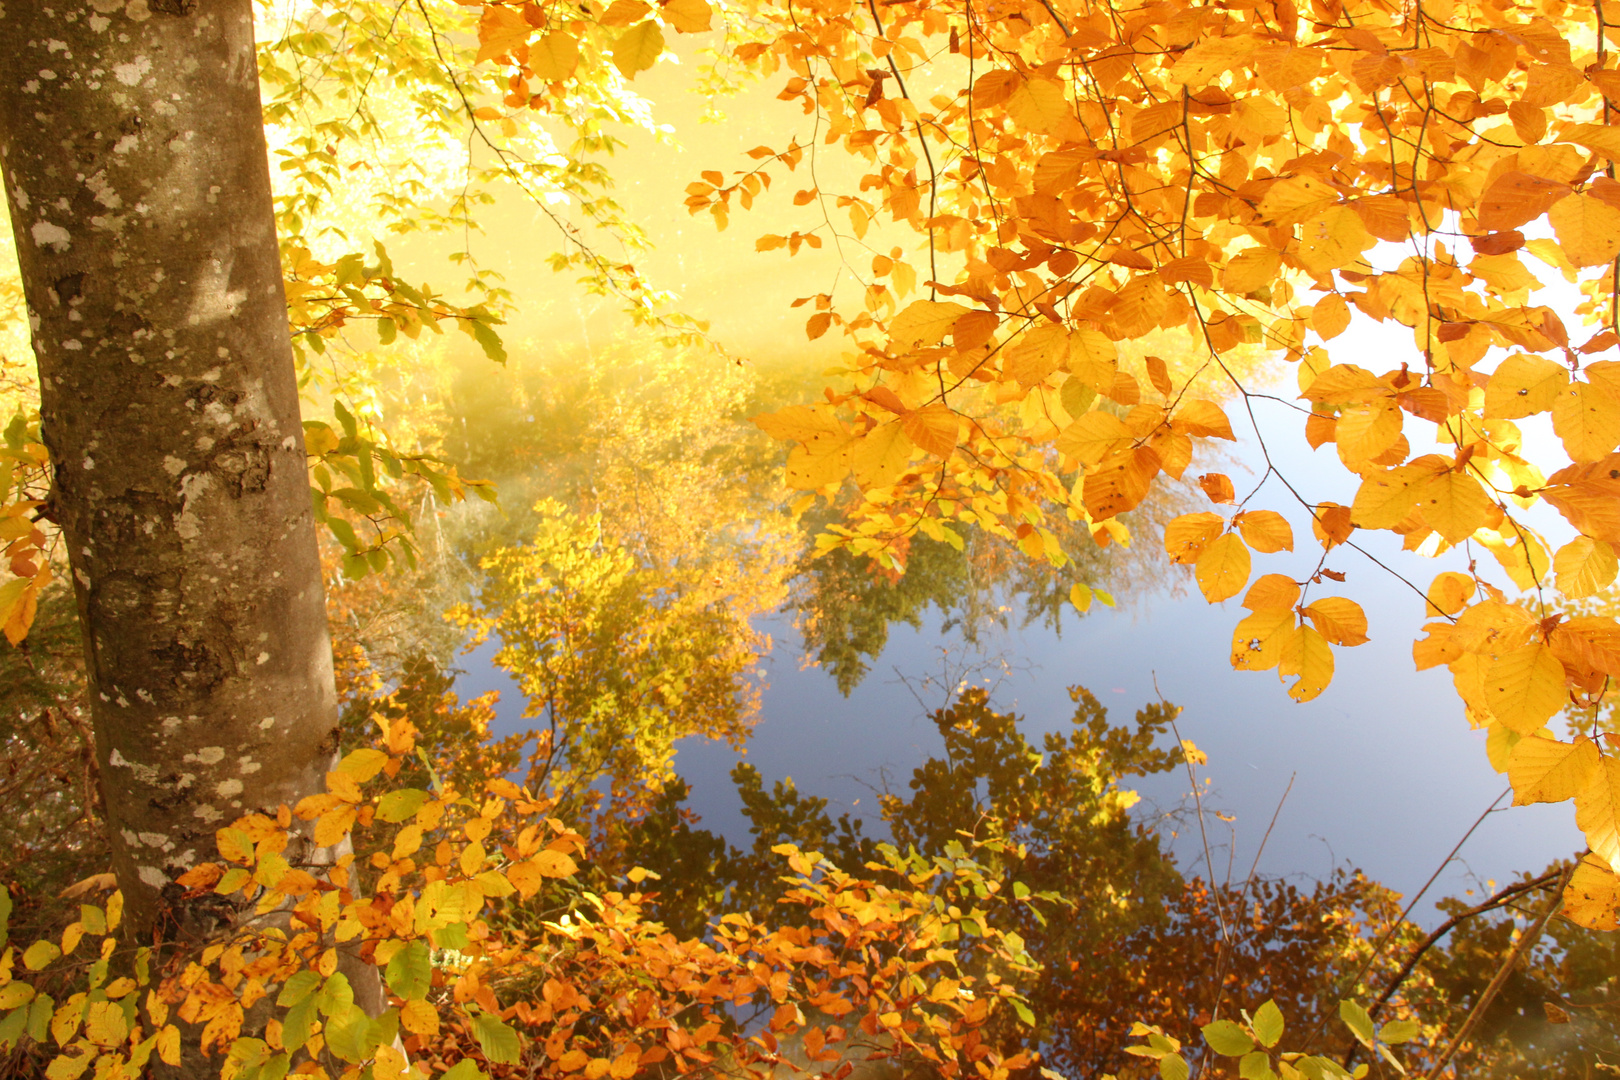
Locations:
(632, 581)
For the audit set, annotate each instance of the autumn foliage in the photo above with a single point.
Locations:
(1104, 210)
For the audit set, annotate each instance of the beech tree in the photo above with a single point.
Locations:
(137, 180)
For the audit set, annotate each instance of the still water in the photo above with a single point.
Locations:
(1381, 772)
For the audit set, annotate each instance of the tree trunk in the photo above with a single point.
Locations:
(135, 169)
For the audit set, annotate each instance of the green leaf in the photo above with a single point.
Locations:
(296, 989)
(1356, 1019)
(296, 1025)
(464, 1070)
(410, 972)
(1023, 1012)
(346, 418)
(5, 913)
(336, 997)
(1268, 1024)
(396, 806)
(39, 954)
(489, 341)
(1398, 1031)
(93, 919)
(12, 1026)
(387, 330)
(453, 936)
(1256, 1066)
(1228, 1039)
(348, 1035)
(39, 1020)
(499, 1042)
(351, 268)
(1173, 1067)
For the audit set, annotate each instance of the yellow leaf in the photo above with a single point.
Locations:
(1523, 386)
(1524, 687)
(820, 460)
(1306, 654)
(361, 765)
(1449, 593)
(1546, 770)
(1200, 417)
(625, 1065)
(1039, 105)
(1499, 743)
(933, 428)
(1592, 897)
(500, 31)
(1453, 504)
(1503, 273)
(168, 1045)
(554, 57)
(1587, 228)
(1037, 354)
(1587, 419)
(1258, 640)
(880, 456)
(1223, 568)
(1250, 270)
(555, 864)
(1208, 60)
(419, 1018)
(597, 1068)
(1119, 483)
(1186, 536)
(1597, 811)
(1332, 239)
(1585, 566)
(923, 322)
(1385, 498)
(1293, 198)
(1093, 437)
(68, 1067)
(1265, 530)
(335, 824)
(1338, 619)
(1080, 596)
(638, 48)
(1363, 432)
(104, 1023)
(625, 12)
(1330, 317)
(688, 16)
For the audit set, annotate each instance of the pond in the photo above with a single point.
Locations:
(1381, 772)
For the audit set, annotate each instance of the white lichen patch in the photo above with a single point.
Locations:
(152, 876)
(207, 813)
(267, 723)
(225, 789)
(155, 839)
(247, 766)
(173, 466)
(132, 73)
(208, 755)
(55, 237)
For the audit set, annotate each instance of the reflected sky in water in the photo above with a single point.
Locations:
(1386, 774)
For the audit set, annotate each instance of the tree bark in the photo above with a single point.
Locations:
(135, 170)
